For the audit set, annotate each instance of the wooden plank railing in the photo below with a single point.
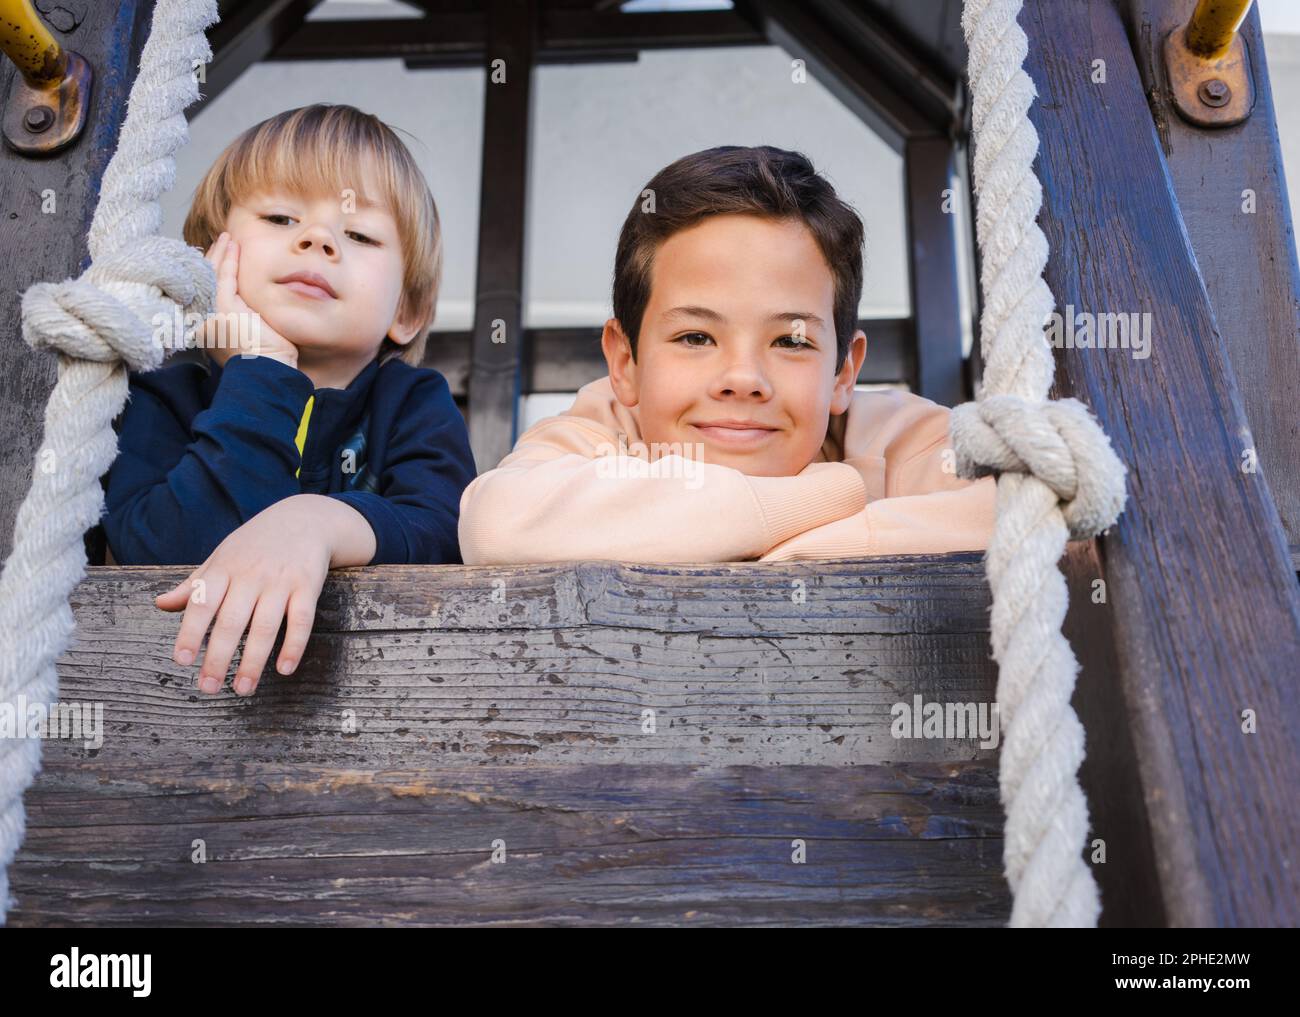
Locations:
(645, 744)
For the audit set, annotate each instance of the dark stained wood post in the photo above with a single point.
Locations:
(47, 206)
(496, 363)
(1195, 647)
(1232, 191)
(932, 276)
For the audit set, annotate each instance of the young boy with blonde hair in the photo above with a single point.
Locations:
(729, 428)
(310, 438)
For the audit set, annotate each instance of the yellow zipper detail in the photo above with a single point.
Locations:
(301, 438)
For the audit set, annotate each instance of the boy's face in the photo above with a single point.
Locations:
(357, 252)
(721, 343)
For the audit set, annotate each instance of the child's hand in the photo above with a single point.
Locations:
(272, 565)
(244, 330)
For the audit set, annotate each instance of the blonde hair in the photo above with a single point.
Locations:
(323, 149)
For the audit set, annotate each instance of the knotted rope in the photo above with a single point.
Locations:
(1058, 479)
(117, 315)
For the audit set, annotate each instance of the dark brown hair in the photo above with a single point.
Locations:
(764, 181)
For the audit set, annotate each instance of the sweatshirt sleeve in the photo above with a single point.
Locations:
(428, 464)
(176, 491)
(958, 519)
(563, 494)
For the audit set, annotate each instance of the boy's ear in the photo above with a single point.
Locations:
(403, 329)
(847, 377)
(618, 358)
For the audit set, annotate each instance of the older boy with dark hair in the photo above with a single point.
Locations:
(729, 428)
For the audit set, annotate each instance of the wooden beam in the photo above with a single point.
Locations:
(457, 38)
(497, 354)
(1202, 615)
(858, 85)
(246, 35)
(49, 204)
(586, 31)
(1248, 258)
(439, 709)
(932, 268)
(877, 43)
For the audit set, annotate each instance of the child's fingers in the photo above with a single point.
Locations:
(227, 273)
(301, 616)
(206, 598)
(218, 248)
(262, 631)
(232, 619)
(176, 598)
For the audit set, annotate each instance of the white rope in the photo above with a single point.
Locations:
(1058, 479)
(99, 324)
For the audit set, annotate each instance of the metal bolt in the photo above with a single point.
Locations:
(1214, 92)
(38, 118)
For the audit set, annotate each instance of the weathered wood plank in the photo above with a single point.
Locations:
(1202, 606)
(439, 709)
(558, 664)
(589, 845)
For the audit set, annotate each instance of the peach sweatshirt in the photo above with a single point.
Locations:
(876, 487)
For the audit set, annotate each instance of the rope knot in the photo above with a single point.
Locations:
(1059, 442)
(123, 306)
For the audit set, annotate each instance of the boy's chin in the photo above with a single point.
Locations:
(753, 465)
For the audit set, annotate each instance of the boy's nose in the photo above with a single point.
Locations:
(743, 377)
(317, 236)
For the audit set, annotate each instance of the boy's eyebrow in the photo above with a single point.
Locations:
(695, 311)
(808, 316)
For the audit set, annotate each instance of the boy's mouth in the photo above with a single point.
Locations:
(309, 284)
(736, 433)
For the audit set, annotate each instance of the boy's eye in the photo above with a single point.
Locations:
(692, 335)
(791, 342)
(797, 342)
(362, 238)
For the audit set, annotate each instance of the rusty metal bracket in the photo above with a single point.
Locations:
(1207, 64)
(48, 99)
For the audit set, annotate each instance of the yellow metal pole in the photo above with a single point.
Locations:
(29, 44)
(45, 109)
(1214, 25)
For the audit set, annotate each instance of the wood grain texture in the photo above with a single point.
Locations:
(590, 845)
(430, 718)
(1202, 606)
(40, 245)
(1247, 259)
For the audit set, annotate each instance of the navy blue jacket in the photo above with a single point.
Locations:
(203, 449)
